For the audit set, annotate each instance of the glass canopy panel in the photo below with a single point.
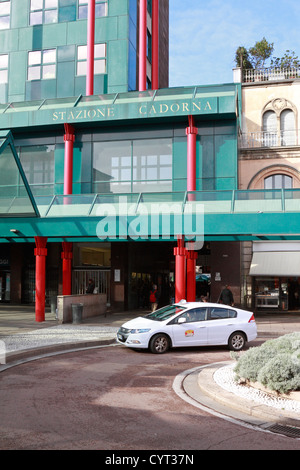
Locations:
(174, 93)
(114, 204)
(258, 201)
(203, 91)
(71, 206)
(15, 196)
(135, 96)
(43, 203)
(24, 106)
(96, 100)
(54, 103)
(211, 201)
(292, 200)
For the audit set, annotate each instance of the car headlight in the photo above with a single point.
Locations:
(140, 330)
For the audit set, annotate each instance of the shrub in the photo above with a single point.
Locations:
(275, 364)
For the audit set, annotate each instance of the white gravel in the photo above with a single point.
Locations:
(57, 335)
(224, 377)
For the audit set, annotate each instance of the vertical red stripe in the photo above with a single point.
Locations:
(90, 48)
(155, 44)
(143, 46)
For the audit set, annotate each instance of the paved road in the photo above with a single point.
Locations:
(112, 398)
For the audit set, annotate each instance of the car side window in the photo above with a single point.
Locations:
(195, 314)
(218, 313)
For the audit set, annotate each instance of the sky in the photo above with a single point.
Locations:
(204, 35)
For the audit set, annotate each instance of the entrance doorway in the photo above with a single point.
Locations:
(101, 278)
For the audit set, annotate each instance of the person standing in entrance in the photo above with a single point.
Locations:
(226, 296)
(153, 298)
(90, 287)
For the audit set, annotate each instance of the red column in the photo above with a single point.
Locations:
(69, 139)
(143, 46)
(67, 256)
(40, 277)
(191, 133)
(90, 48)
(191, 257)
(155, 43)
(180, 270)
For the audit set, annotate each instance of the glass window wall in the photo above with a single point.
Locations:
(133, 166)
(38, 165)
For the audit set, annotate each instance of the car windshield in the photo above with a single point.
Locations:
(165, 312)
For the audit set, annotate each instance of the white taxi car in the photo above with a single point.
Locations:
(189, 324)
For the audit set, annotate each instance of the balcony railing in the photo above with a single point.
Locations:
(270, 74)
(269, 139)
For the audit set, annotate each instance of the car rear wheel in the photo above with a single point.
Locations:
(159, 344)
(237, 341)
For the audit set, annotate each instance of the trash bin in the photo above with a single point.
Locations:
(77, 310)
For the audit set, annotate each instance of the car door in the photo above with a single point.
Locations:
(222, 322)
(190, 328)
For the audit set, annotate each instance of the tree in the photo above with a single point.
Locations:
(256, 57)
(260, 52)
(289, 60)
(242, 58)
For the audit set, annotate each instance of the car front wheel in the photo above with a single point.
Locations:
(237, 341)
(159, 344)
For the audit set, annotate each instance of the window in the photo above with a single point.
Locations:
(133, 166)
(100, 9)
(287, 127)
(43, 11)
(99, 59)
(42, 64)
(3, 68)
(270, 129)
(193, 315)
(279, 123)
(278, 182)
(152, 165)
(219, 313)
(5, 15)
(38, 165)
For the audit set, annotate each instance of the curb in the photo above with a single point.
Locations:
(208, 386)
(36, 353)
(198, 384)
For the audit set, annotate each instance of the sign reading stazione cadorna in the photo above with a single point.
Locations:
(221, 102)
(137, 110)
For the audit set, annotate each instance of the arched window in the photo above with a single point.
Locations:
(278, 182)
(270, 129)
(287, 127)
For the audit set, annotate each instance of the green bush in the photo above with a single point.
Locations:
(275, 364)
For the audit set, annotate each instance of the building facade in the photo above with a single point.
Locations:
(107, 174)
(269, 160)
(43, 46)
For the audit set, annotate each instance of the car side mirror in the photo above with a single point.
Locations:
(181, 320)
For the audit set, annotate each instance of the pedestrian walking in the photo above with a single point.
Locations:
(226, 296)
(153, 298)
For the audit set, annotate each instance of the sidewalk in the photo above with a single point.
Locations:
(23, 337)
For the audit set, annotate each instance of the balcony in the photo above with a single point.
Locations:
(263, 139)
(270, 74)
